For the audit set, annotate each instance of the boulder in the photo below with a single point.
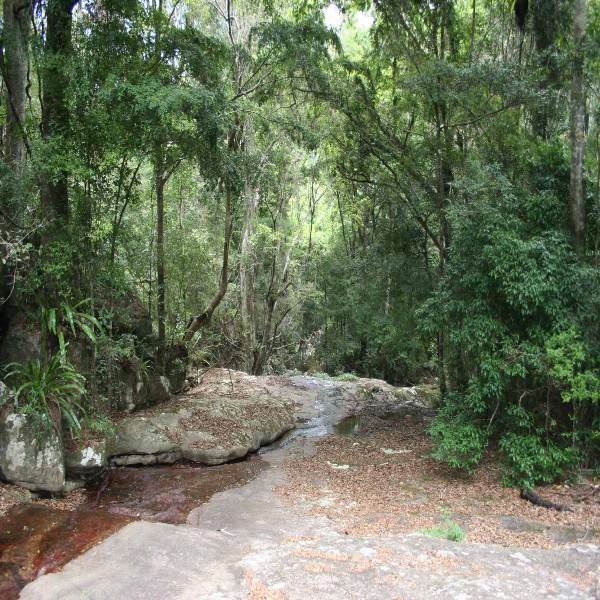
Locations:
(21, 341)
(131, 384)
(156, 389)
(138, 390)
(147, 434)
(208, 425)
(130, 316)
(176, 367)
(29, 458)
(88, 461)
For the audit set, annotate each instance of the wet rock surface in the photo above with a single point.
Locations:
(36, 539)
(168, 494)
(250, 541)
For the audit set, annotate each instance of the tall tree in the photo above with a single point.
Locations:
(55, 112)
(576, 198)
(15, 64)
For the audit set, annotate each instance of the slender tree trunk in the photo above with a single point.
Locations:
(545, 21)
(55, 113)
(339, 205)
(17, 27)
(204, 318)
(159, 186)
(247, 279)
(576, 198)
(278, 283)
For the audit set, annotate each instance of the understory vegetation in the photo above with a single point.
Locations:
(397, 189)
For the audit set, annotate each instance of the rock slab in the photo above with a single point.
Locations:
(211, 424)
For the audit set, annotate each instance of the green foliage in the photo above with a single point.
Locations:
(346, 377)
(98, 425)
(458, 442)
(521, 373)
(48, 392)
(532, 459)
(568, 357)
(59, 322)
(449, 530)
(399, 207)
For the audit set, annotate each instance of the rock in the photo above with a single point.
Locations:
(139, 390)
(88, 461)
(164, 458)
(21, 341)
(176, 368)
(25, 460)
(208, 428)
(6, 394)
(156, 389)
(72, 484)
(131, 384)
(130, 316)
(139, 435)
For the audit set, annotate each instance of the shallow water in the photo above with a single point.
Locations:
(35, 539)
(359, 424)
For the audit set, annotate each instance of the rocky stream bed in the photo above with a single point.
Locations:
(334, 507)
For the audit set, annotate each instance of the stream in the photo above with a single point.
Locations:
(254, 529)
(36, 539)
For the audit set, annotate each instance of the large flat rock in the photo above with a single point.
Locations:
(247, 544)
(229, 415)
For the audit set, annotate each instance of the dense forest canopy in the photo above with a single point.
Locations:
(402, 189)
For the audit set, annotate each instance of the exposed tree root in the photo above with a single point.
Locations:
(539, 501)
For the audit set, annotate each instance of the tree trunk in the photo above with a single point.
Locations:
(278, 284)
(546, 19)
(247, 299)
(17, 26)
(576, 198)
(204, 318)
(159, 184)
(55, 113)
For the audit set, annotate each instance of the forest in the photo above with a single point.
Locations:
(406, 190)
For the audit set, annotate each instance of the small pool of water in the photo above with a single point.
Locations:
(349, 426)
(358, 424)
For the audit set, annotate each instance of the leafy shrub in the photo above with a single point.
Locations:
(319, 375)
(58, 322)
(458, 443)
(567, 357)
(49, 392)
(346, 377)
(531, 460)
(513, 304)
(98, 425)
